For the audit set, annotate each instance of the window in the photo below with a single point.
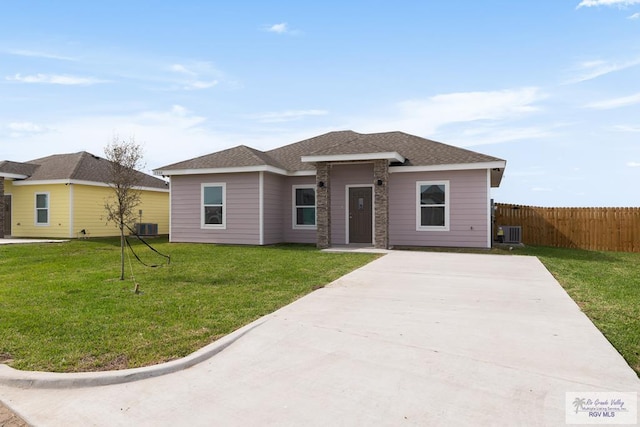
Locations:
(42, 208)
(432, 205)
(304, 207)
(213, 206)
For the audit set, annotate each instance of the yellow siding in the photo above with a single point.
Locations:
(23, 219)
(88, 211)
(91, 216)
(155, 209)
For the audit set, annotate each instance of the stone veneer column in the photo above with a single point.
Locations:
(1, 207)
(323, 205)
(381, 203)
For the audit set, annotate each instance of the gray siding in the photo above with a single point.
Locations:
(274, 195)
(468, 210)
(242, 209)
(341, 176)
(292, 235)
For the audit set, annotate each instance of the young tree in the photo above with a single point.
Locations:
(125, 159)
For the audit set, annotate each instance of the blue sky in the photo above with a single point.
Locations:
(552, 86)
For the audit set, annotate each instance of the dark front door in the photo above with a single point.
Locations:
(360, 214)
(7, 215)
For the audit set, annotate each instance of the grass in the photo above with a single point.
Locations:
(63, 309)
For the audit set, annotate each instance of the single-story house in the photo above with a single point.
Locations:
(383, 189)
(63, 196)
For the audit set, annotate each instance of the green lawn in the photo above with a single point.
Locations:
(63, 309)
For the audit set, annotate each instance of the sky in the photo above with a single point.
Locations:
(551, 86)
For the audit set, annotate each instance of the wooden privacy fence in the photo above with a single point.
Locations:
(605, 229)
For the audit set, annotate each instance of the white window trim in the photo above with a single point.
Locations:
(294, 212)
(447, 206)
(222, 226)
(35, 209)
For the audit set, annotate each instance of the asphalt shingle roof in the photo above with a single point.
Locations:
(239, 156)
(418, 152)
(16, 168)
(80, 166)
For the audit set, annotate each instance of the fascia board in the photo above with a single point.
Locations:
(449, 167)
(81, 182)
(207, 171)
(13, 176)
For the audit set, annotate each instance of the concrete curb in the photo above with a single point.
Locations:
(54, 380)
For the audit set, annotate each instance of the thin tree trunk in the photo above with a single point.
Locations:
(121, 252)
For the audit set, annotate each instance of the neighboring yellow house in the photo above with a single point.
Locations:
(63, 196)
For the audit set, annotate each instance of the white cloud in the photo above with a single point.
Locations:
(440, 110)
(55, 79)
(193, 73)
(468, 118)
(198, 84)
(589, 70)
(471, 106)
(179, 68)
(615, 102)
(19, 129)
(25, 127)
(620, 3)
(496, 135)
(626, 128)
(279, 28)
(289, 115)
(167, 135)
(178, 116)
(634, 164)
(37, 54)
(526, 172)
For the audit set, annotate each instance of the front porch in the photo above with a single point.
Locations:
(352, 203)
(357, 248)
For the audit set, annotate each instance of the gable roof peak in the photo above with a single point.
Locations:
(234, 157)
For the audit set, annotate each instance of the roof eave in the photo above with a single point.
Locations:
(496, 175)
(7, 175)
(496, 167)
(82, 182)
(206, 171)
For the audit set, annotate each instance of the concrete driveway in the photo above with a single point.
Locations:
(25, 241)
(410, 339)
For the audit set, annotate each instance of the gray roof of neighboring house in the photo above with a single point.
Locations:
(80, 166)
(416, 150)
(16, 168)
